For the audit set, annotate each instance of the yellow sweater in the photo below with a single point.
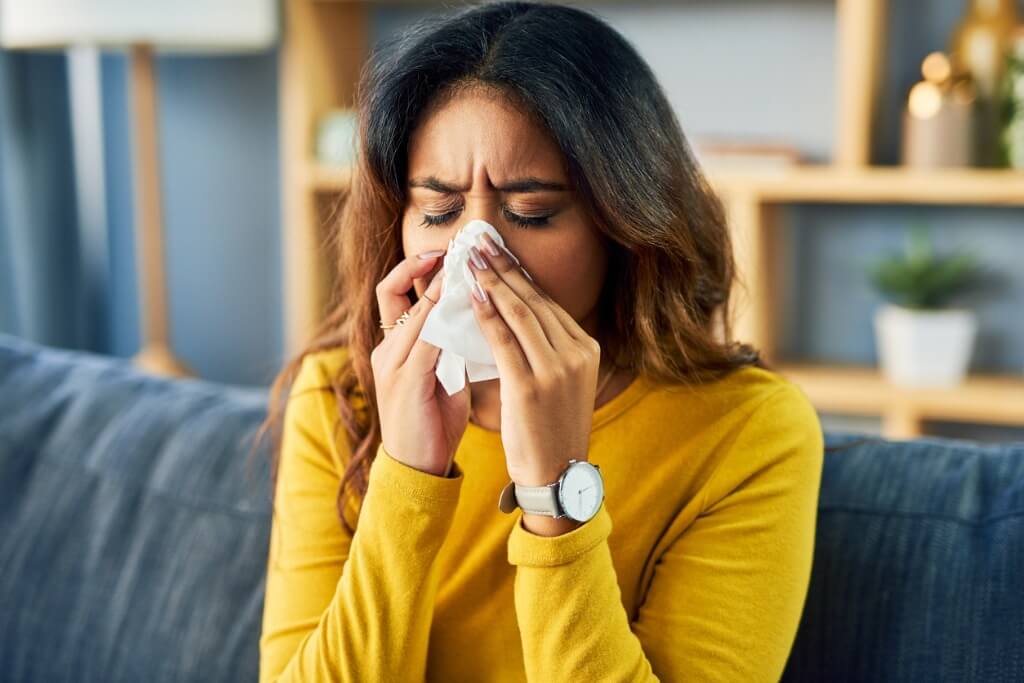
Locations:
(696, 566)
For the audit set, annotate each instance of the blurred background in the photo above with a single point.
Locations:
(167, 171)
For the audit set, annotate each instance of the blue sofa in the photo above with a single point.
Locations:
(134, 527)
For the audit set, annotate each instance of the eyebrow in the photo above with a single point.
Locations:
(529, 184)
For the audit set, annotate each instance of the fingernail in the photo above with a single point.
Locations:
(478, 260)
(430, 254)
(479, 292)
(488, 245)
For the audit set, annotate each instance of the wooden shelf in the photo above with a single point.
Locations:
(875, 185)
(327, 179)
(824, 184)
(323, 49)
(856, 390)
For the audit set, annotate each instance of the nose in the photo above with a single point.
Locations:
(485, 206)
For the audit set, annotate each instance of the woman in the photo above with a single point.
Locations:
(389, 558)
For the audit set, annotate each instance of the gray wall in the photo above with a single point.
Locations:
(219, 158)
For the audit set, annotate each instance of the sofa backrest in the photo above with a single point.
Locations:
(134, 530)
(133, 523)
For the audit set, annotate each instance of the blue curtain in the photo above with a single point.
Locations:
(38, 230)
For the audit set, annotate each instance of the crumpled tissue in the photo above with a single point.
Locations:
(451, 324)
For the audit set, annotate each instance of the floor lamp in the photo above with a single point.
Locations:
(182, 26)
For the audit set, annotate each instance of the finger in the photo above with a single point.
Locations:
(508, 355)
(569, 323)
(527, 289)
(400, 342)
(517, 314)
(423, 354)
(392, 297)
(404, 336)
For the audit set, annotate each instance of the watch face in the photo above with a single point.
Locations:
(582, 491)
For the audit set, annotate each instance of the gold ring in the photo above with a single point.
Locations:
(428, 298)
(401, 321)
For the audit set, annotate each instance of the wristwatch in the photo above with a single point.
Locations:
(577, 494)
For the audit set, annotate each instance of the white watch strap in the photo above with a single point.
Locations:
(535, 499)
(539, 500)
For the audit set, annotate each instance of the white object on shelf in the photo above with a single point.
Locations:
(336, 138)
(925, 348)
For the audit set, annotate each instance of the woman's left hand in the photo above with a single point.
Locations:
(548, 366)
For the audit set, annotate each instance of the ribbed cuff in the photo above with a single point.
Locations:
(415, 483)
(532, 550)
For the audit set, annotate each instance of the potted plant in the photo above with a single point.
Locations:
(922, 341)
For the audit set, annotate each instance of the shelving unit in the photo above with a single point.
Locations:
(752, 198)
(323, 47)
(325, 42)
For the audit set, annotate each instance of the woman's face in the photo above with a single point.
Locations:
(478, 157)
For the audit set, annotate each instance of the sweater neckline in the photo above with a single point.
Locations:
(621, 402)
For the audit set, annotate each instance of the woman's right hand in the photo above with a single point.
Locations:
(421, 425)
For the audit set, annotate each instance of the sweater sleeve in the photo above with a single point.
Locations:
(726, 596)
(340, 607)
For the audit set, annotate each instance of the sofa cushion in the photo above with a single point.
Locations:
(918, 565)
(134, 523)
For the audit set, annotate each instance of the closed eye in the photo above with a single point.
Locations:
(516, 219)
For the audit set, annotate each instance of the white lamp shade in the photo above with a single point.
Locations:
(192, 25)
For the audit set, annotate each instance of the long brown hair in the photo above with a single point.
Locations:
(664, 307)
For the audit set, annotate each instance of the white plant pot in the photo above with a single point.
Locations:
(924, 348)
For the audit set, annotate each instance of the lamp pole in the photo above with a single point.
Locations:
(155, 354)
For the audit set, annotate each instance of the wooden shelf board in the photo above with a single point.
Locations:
(826, 184)
(982, 398)
(875, 185)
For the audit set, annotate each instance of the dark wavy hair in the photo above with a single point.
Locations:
(664, 307)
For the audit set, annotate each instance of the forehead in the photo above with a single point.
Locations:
(479, 134)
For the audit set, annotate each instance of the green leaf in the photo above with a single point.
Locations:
(919, 278)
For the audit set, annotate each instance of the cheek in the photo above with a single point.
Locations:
(415, 239)
(409, 237)
(573, 279)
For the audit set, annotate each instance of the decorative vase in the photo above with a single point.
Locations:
(925, 348)
(938, 118)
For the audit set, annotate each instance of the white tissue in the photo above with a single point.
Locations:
(451, 324)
